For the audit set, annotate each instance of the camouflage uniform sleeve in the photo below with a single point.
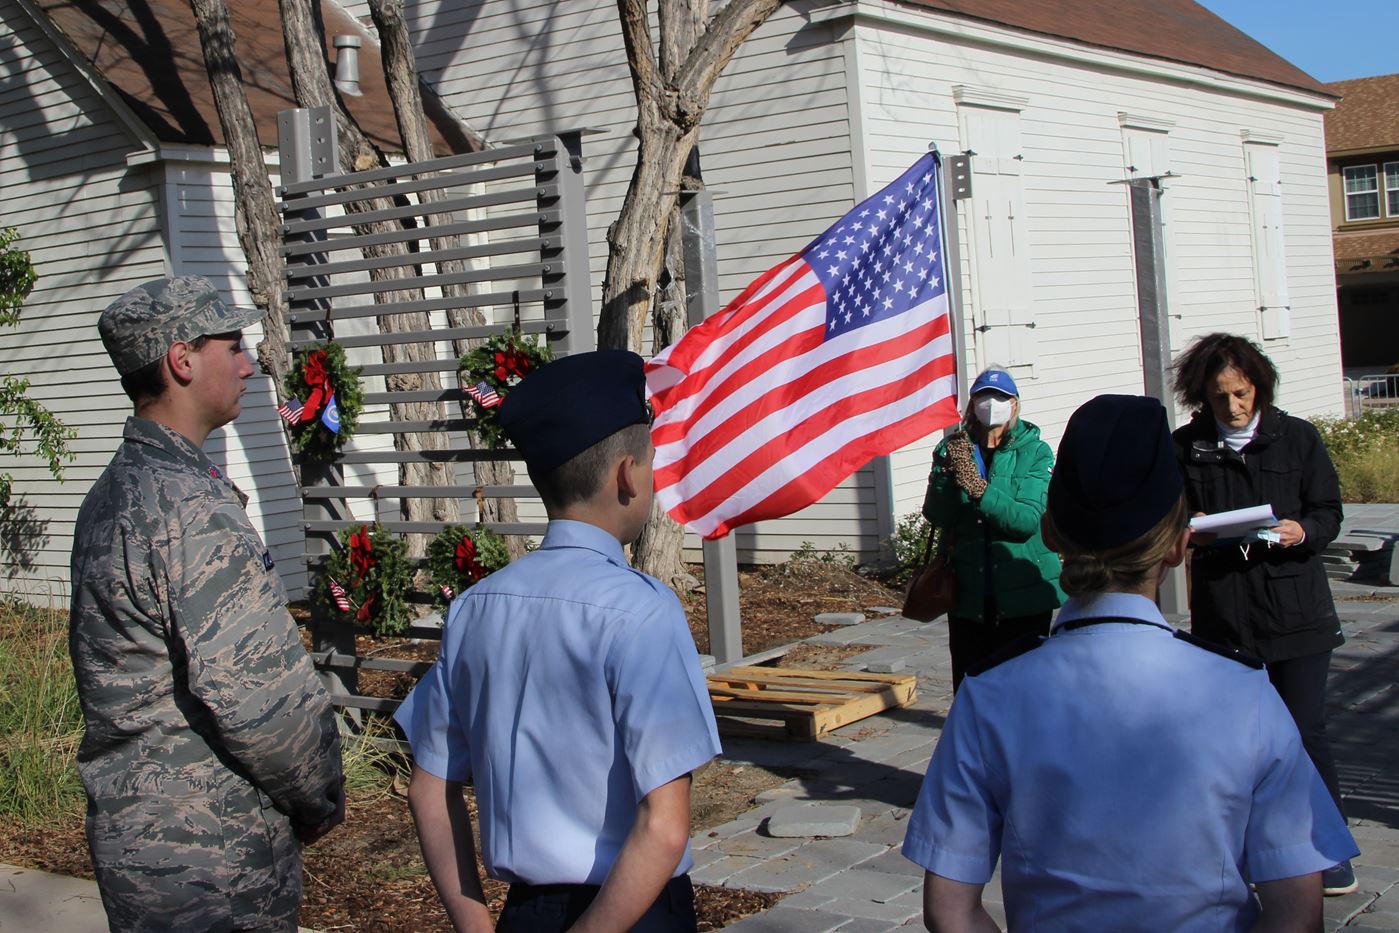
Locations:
(248, 668)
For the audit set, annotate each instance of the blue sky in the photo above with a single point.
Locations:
(1331, 42)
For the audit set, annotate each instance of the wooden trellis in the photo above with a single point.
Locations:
(499, 236)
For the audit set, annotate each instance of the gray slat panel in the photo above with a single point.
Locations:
(542, 147)
(441, 181)
(523, 220)
(532, 193)
(428, 528)
(530, 244)
(417, 492)
(531, 270)
(423, 456)
(531, 296)
(554, 330)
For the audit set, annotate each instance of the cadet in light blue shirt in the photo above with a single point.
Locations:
(568, 688)
(1128, 777)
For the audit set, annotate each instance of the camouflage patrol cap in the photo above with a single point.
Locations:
(141, 325)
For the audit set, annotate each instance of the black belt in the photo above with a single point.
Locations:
(522, 892)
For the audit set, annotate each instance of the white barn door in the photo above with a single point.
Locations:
(1000, 266)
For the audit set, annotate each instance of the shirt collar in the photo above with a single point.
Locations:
(179, 448)
(567, 533)
(1111, 606)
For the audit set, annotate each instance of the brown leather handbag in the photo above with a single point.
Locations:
(933, 590)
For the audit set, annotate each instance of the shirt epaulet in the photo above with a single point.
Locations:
(1233, 654)
(1015, 649)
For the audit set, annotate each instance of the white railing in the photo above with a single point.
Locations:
(1366, 392)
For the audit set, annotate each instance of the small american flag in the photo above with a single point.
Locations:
(485, 396)
(447, 592)
(290, 410)
(342, 599)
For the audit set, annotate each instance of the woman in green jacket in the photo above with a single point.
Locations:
(986, 494)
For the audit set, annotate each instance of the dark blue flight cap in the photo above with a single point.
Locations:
(563, 408)
(1116, 474)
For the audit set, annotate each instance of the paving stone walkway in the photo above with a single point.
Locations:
(861, 884)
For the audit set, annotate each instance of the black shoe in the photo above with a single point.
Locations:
(1338, 880)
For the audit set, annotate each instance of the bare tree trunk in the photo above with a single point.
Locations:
(313, 88)
(671, 97)
(405, 90)
(672, 92)
(659, 550)
(254, 209)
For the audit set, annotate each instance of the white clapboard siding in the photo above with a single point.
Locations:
(91, 226)
(1082, 280)
(775, 151)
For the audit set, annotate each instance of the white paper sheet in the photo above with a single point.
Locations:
(1238, 523)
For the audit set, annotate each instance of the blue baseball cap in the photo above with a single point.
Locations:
(998, 380)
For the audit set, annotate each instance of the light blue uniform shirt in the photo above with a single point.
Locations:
(568, 688)
(1128, 780)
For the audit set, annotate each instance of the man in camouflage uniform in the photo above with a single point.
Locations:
(211, 750)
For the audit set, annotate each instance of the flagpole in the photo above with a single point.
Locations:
(954, 179)
(702, 300)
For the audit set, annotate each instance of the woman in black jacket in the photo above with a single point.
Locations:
(1269, 600)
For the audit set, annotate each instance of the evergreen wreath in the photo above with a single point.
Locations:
(499, 363)
(459, 556)
(318, 374)
(374, 577)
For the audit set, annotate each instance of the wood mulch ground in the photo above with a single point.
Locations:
(368, 874)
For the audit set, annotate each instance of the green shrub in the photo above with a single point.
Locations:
(1370, 475)
(910, 545)
(1365, 451)
(40, 721)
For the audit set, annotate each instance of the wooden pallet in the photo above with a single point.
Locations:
(786, 703)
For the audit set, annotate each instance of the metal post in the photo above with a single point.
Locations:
(955, 185)
(1149, 252)
(306, 145)
(702, 300)
(571, 282)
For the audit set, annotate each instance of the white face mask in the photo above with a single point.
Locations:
(993, 410)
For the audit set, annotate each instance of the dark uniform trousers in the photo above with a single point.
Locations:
(553, 908)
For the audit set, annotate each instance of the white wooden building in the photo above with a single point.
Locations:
(828, 101)
(112, 168)
(825, 103)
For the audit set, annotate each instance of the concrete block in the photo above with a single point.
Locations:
(813, 820)
(839, 618)
(809, 864)
(884, 610)
(872, 910)
(860, 925)
(757, 846)
(707, 663)
(721, 870)
(894, 863)
(861, 883)
(783, 792)
(885, 667)
(789, 920)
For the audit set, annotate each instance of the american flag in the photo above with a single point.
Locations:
(837, 355)
(484, 394)
(341, 598)
(290, 410)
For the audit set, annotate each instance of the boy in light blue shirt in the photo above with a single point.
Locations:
(568, 689)
(1128, 777)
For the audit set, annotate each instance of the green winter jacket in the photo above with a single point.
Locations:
(999, 535)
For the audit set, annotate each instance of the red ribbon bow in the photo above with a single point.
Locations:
(362, 553)
(465, 559)
(319, 382)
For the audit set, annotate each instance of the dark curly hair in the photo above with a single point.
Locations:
(1211, 354)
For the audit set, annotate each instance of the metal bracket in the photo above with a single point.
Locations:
(960, 169)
